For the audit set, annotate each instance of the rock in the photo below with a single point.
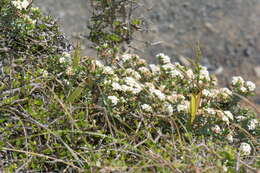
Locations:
(257, 71)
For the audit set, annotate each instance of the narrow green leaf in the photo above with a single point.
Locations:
(192, 108)
(76, 57)
(75, 94)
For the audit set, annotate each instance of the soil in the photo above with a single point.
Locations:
(227, 30)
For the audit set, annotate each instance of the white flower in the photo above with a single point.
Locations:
(131, 82)
(223, 116)
(225, 119)
(190, 74)
(240, 118)
(225, 92)
(168, 108)
(108, 70)
(146, 108)
(144, 70)
(204, 74)
(24, 4)
(165, 59)
(176, 73)
(245, 148)
(225, 169)
(252, 124)
(133, 85)
(157, 93)
(237, 80)
(116, 86)
(140, 62)
(173, 97)
(113, 99)
(20, 4)
(62, 60)
(99, 64)
(229, 137)
(155, 69)
(206, 93)
(28, 19)
(250, 85)
(182, 108)
(35, 9)
(125, 88)
(133, 73)
(216, 129)
(243, 89)
(210, 111)
(66, 54)
(45, 74)
(66, 57)
(69, 71)
(229, 115)
(168, 66)
(66, 82)
(126, 57)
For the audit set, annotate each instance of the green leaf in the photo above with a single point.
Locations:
(75, 94)
(194, 105)
(76, 57)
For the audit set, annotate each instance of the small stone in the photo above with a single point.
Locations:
(247, 52)
(257, 71)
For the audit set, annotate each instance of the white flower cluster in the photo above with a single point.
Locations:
(184, 107)
(126, 57)
(252, 124)
(243, 86)
(20, 4)
(164, 59)
(66, 57)
(29, 20)
(206, 93)
(237, 80)
(225, 93)
(144, 71)
(131, 85)
(245, 148)
(216, 129)
(230, 138)
(133, 73)
(108, 70)
(168, 108)
(190, 74)
(157, 93)
(113, 99)
(155, 69)
(146, 108)
(210, 111)
(225, 116)
(45, 73)
(204, 74)
(156, 85)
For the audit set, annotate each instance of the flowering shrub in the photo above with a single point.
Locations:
(164, 91)
(63, 112)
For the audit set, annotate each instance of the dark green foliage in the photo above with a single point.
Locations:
(112, 24)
